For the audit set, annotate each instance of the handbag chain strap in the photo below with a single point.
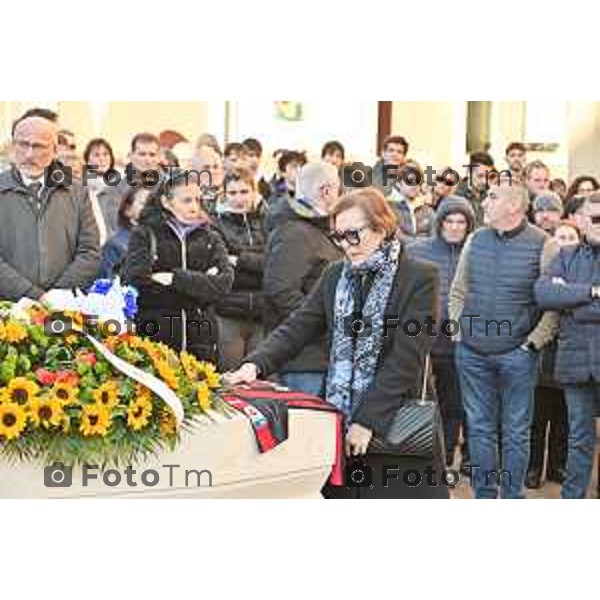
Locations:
(425, 377)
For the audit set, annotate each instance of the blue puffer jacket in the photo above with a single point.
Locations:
(565, 286)
(500, 310)
(445, 255)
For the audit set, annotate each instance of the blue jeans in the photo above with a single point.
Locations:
(498, 393)
(582, 403)
(309, 383)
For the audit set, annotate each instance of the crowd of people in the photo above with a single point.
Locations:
(261, 274)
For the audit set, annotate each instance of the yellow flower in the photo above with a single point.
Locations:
(107, 395)
(200, 371)
(2, 332)
(14, 332)
(210, 375)
(13, 419)
(70, 339)
(167, 424)
(166, 373)
(20, 390)
(46, 411)
(95, 420)
(203, 395)
(65, 394)
(138, 413)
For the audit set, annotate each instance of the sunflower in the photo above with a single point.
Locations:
(200, 371)
(95, 420)
(138, 413)
(20, 390)
(167, 424)
(14, 332)
(13, 419)
(209, 374)
(107, 395)
(65, 394)
(166, 373)
(203, 396)
(46, 411)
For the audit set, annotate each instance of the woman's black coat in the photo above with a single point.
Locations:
(184, 309)
(414, 296)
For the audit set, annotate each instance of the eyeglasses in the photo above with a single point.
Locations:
(35, 148)
(350, 236)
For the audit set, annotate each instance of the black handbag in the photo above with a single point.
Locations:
(415, 429)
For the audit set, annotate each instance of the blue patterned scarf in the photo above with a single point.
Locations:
(353, 360)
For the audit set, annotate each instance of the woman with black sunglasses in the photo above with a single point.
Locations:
(373, 365)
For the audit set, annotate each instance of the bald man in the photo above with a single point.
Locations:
(48, 235)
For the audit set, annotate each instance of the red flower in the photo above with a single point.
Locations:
(68, 377)
(46, 377)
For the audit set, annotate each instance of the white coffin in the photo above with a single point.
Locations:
(297, 468)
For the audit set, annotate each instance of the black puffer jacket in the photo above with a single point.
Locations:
(244, 237)
(184, 310)
(298, 249)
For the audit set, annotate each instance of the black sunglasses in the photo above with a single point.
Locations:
(350, 236)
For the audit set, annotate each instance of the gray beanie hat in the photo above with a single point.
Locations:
(548, 201)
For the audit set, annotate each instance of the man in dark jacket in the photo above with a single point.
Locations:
(501, 332)
(571, 285)
(454, 220)
(298, 249)
(550, 410)
(49, 237)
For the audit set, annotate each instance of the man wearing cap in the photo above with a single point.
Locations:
(550, 409)
(49, 237)
(547, 211)
(571, 285)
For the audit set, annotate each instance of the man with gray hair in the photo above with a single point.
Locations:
(501, 332)
(298, 249)
(49, 237)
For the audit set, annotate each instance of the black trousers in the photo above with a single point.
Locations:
(550, 411)
(447, 387)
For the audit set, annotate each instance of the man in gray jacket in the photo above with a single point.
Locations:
(48, 234)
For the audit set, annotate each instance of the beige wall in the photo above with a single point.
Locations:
(583, 130)
(436, 131)
(119, 121)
